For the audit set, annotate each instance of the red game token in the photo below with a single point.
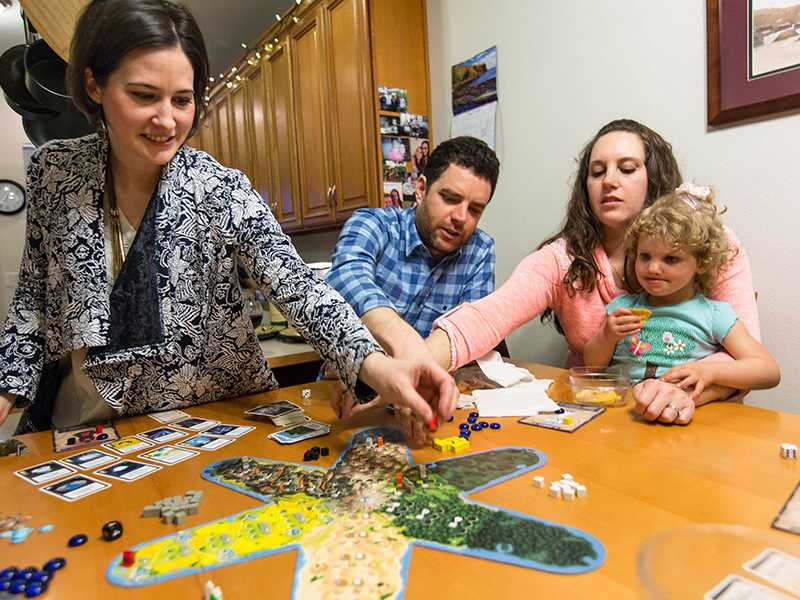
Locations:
(98, 429)
(398, 479)
(128, 558)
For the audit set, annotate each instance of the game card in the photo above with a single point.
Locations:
(780, 569)
(195, 424)
(90, 459)
(205, 442)
(168, 416)
(44, 472)
(230, 430)
(168, 455)
(298, 433)
(573, 418)
(734, 587)
(127, 445)
(128, 470)
(274, 410)
(75, 488)
(159, 435)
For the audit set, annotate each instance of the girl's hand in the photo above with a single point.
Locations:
(621, 323)
(663, 401)
(692, 376)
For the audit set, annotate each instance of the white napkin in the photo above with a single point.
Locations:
(522, 400)
(501, 372)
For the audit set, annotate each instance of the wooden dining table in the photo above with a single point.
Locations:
(644, 480)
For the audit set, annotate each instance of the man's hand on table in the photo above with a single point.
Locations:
(663, 401)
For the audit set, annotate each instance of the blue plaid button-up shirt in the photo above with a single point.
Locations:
(380, 260)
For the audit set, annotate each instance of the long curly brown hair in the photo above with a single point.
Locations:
(581, 229)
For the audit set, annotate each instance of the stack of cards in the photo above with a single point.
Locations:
(282, 413)
(300, 432)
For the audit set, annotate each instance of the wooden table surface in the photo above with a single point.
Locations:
(643, 479)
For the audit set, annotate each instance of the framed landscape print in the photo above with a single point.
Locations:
(753, 58)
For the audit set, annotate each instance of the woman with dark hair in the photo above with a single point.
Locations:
(574, 274)
(128, 298)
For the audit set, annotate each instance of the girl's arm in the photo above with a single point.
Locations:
(753, 367)
(600, 349)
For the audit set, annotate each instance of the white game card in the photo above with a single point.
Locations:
(195, 424)
(168, 416)
(46, 471)
(75, 488)
(90, 459)
(128, 445)
(205, 442)
(169, 455)
(128, 470)
(229, 430)
(159, 435)
(734, 587)
(779, 568)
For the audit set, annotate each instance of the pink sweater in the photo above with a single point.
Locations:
(475, 328)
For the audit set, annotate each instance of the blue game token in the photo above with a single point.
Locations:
(494, 425)
(9, 573)
(41, 577)
(474, 414)
(464, 434)
(78, 539)
(26, 573)
(34, 589)
(54, 564)
(463, 426)
(4, 585)
(476, 427)
(471, 419)
(18, 586)
(484, 424)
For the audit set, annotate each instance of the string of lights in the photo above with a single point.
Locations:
(252, 56)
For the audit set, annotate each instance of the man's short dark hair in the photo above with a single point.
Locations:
(465, 151)
(107, 30)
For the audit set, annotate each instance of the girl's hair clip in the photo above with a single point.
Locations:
(692, 194)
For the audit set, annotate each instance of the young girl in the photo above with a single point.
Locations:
(679, 247)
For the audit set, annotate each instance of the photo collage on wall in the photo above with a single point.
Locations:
(405, 147)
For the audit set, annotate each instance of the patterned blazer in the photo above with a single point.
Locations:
(171, 333)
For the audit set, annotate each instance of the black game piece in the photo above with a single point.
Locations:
(474, 415)
(324, 451)
(78, 539)
(559, 411)
(71, 441)
(450, 419)
(112, 531)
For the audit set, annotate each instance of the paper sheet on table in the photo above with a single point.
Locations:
(501, 372)
(522, 400)
(478, 122)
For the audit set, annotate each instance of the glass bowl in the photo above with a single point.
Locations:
(600, 386)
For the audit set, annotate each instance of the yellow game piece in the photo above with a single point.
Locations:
(439, 444)
(642, 313)
(567, 420)
(460, 445)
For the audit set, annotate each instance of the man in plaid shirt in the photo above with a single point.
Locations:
(402, 269)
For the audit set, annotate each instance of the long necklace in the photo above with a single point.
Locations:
(117, 247)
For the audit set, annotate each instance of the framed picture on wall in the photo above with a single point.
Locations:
(753, 58)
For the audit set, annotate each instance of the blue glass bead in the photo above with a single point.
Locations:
(26, 573)
(476, 427)
(494, 425)
(463, 426)
(41, 577)
(4, 585)
(54, 564)
(484, 424)
(34, 589)
(474, 414)
(9, 573)
(18, 586)
(77, 540)
(471, 419)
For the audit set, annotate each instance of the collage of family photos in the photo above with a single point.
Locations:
(405, 147)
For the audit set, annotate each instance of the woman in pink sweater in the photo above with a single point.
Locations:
(573, 275)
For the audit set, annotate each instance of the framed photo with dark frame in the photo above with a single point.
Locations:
(753, 58)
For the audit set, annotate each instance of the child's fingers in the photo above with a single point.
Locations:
(698, 389)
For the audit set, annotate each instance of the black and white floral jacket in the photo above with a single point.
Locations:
(172, 332)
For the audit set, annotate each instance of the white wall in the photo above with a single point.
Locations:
(12, 229)
(567, 68)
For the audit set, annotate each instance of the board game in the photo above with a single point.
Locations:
(354, 527)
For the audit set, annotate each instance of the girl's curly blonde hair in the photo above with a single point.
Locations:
(686, 219)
